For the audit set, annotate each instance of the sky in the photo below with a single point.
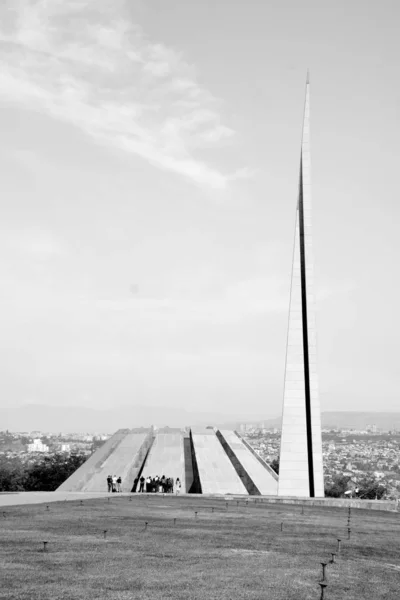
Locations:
(150, 159)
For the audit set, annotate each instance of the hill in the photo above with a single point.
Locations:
(351, 420)
(42, 417)
(360, 420)
(195, 548)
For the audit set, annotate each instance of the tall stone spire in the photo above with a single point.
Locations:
(301, 466)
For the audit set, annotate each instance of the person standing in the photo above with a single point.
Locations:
(141, 489)
(171, 485)
(114, 483)
(119, 484)
(109, 483)
(178, 486)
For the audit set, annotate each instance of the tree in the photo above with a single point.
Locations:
(50, 472)
(338, 487)
(275, 465)
(44, 474)
(370, 488)
(12, 474)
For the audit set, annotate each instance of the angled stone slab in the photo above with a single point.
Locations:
(216, 472)
(125, 459)
(166, 457)
(77, 481)
(262, 477)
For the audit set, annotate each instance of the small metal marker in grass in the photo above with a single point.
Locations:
(105, 533)
(45, 546)
(323, 571)
(348, 533)
(47, 507)
(281, 526)
(333, 557)
(323, 585)
(195, 514)
(81, 502)
(145, 525)
(212, 509)
(338, 545)
(174, 520)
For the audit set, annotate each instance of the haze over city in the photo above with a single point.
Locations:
(149, 183)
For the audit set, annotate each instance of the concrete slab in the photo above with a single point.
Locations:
(266, 483)
(77, 481)
(166, 457)
(125, 459)
(216, 472)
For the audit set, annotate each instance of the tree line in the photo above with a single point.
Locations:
(368, 487)
(44, 474)
(48, 472)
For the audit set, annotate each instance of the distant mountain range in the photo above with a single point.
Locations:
(32, 417)
(351, 420)
(41, 417)
(359, 420)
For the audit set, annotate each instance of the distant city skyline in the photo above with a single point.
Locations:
(149, 183)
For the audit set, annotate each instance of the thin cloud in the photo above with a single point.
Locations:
(327, 292)
(33, 243)
(86, 63)
(258, 296)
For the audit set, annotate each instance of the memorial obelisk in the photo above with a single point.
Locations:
(301, 465)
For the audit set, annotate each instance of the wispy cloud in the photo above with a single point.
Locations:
(85, 62)
(33, 243)
(232, 302)
(333, 290)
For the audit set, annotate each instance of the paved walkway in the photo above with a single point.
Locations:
(18, 498)
(15, 498)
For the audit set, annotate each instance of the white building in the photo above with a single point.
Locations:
(37, 446)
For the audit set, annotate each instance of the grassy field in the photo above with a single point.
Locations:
(224, 552)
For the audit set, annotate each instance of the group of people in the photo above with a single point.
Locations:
(148, 484)
(114, 484)
(157, 484)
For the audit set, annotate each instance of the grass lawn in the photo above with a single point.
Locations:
(230, 553)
